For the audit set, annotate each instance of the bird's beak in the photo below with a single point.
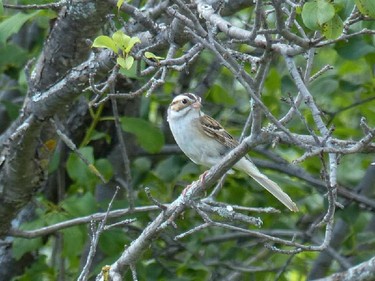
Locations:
(196, 104)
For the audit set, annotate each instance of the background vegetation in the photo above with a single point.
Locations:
(90, 176)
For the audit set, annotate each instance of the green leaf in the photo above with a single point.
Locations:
(324, 86)
(55, 216)
(152, 56)
(112, 242)
(132, 72)
(316, 13)
(149, 137)
(345, 7)
(142, 164)
(21, 246)
(13, 24)
(129, 62)
(356, 72)
(333, 28)
(219, 95)
(366, 7)
(121, 61)
(325, 11)
(167, 169)
(103, 41)
(105, 168)
(298, 9)
(126, 63)
(273, 81)
(79, 205)
(124, 42)
(121, 40)
(309, 15)
(131, 43)
(96, 135)
(354, 48)
(119, 4)
(74, 239)
(77, 169)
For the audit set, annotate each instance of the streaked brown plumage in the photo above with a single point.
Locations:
(205, 142)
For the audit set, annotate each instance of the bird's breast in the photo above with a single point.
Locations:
(198, 147)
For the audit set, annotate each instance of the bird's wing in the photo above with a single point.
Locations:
(213, 129)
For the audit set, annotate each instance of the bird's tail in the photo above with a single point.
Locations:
(249, 168)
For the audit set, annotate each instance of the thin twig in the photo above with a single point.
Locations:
(95, 240)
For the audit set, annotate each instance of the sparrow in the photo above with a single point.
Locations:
(206, 142)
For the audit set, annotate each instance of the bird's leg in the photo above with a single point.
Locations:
(201, 179)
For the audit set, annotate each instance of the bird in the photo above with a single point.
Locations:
(206, 142)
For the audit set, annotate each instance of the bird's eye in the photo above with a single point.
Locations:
(184, 101)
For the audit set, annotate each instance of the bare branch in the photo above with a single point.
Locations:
(362, 272)
(29, 234)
